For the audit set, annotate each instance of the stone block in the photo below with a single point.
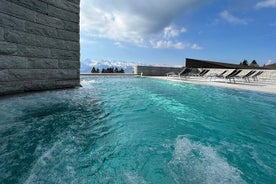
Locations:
(31, 51)
(17, 11)
(71, 26)
(64, 45)
(68, 45)
(14, 75)
(42, 30)
(37, 85)
(68, 64)
(72, 5)
(9, 62)
(35, 5)
(4, 75)
(30, 74)
(41, 63)
(45, 74)
(67, 83)
(40, 41)
(11, 22)
(7, 48)
(67, 35)
(1, 34)
(74, 1)
(65, 55)
(67, 74)
(63, 14)
(11, 87)
(23, 74)
(50, 21)
(18, 37)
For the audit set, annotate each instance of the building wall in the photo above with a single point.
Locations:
(39, 45)
(155, 70)
(196, 63)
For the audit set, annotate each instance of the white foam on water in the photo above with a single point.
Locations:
(134, 178)
(41, 161)
(87, 83)
(174, 107)
(193, 162)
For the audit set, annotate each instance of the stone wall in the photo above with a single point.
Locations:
(155, 70)
(39, 45)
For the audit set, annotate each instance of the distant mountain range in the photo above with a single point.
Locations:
(88, 64)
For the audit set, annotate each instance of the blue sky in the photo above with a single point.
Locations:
(168, 31)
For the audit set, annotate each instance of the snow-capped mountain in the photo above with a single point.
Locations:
(88, 64)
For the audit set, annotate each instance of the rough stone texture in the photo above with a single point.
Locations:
(39, 45)
(155, 70)
(7, 48)
(1, 34)
(12, 62)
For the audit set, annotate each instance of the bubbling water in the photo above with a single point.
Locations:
(193, 162)
(138, 130)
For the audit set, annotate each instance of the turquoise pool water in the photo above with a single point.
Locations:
(138, 130)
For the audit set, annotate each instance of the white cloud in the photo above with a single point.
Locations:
(168, 38)
(225, 15)
(96, 22)
(119, 45)
(87, 41)
(266, 4)
(196, 47)
(134, 21)
(166, 44)
(172, 31)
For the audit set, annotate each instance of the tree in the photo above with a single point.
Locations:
(110, 70)
(93, 70)
(97, 71)
(244, 63)
(254, 63)
(121, 71)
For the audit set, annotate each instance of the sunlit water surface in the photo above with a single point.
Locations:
(138, 130)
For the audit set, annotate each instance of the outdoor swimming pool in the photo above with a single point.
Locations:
(138, 130)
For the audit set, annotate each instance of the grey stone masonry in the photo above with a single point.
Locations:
(39, 45)
(155, 70)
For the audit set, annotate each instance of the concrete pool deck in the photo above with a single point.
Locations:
(259, 86)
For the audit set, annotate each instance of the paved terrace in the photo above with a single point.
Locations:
(265, 83)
